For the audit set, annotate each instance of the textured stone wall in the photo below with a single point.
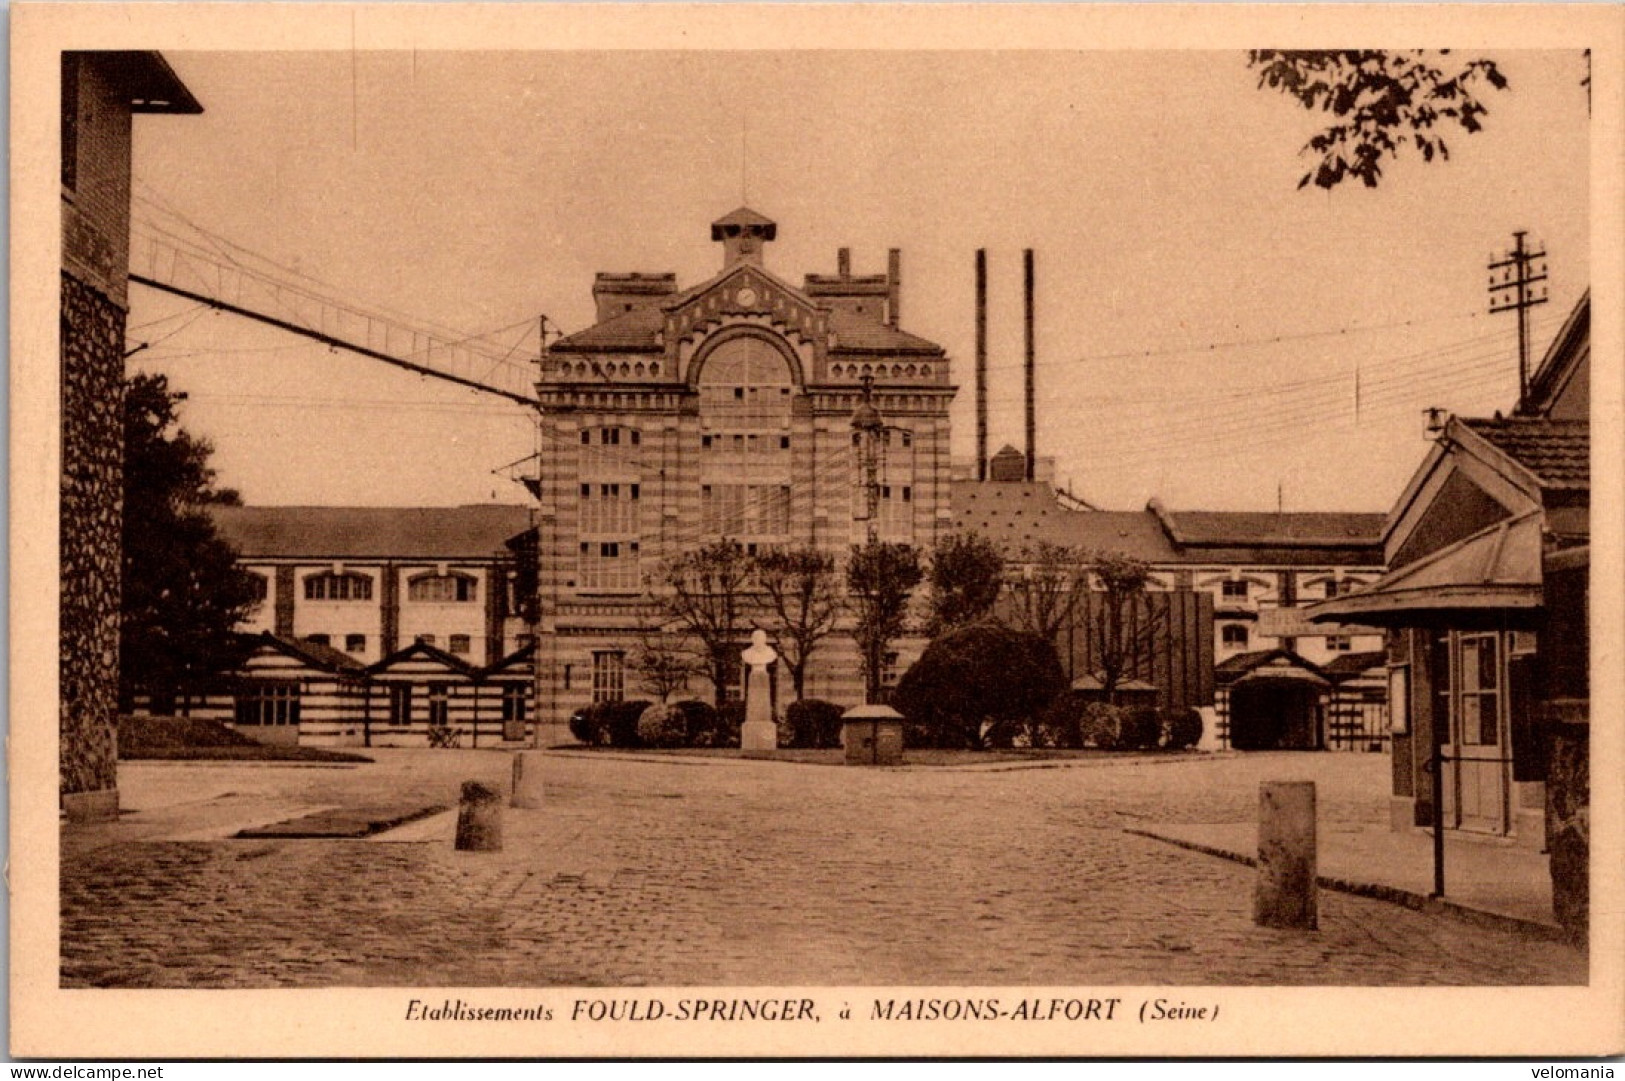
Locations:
(1568, 825)
(92, 504)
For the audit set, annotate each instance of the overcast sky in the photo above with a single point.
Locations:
(478, 191)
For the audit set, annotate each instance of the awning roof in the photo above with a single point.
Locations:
(1495, 568)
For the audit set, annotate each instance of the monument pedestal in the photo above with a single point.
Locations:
(759, 736)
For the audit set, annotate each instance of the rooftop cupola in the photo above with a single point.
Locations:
(742, 234)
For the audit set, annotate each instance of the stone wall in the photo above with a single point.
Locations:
(92, 363)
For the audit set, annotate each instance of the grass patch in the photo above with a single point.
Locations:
(192, 738)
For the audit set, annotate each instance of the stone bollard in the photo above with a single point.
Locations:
(527, 780)
(479, 819)
(1285, 895)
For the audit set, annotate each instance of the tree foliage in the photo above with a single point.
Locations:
(1046, 590)
(1124, 623)
(979, 684)
(1379, 101)
(880, 578)
(183, 593)
(967, 573)
(703, 592)
(804, 601)
(664, 663)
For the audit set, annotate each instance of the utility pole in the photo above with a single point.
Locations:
(1511, 280)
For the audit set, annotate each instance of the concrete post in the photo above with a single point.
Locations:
(479, 819)
(1285, 895)
(527, 780)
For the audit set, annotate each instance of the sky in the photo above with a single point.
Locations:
(1202, 323)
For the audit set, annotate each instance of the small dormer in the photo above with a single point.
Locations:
(617, 294)
(742, 235)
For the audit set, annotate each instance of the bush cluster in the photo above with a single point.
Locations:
(1120, 728)
(609, 724)
(814, 723)
(978, 686)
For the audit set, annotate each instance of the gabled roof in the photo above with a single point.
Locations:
(1349, 665)
(1570, 346)
(325, 658)
(1234, 668)
(1018, 514)
(423, 649)
(1496, 568)
(1557, 452)
(478, 531)
(520, 658)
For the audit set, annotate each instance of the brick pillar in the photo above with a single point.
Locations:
(390, 623)
(283, 611)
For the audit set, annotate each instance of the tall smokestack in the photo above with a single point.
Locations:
(843, 262)
(981, 363)
(894, 284)
(1027, 314)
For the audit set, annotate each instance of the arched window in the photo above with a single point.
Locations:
(338, 587)
(442, 588)
(745, 383)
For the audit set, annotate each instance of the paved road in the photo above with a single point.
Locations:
(694, 873)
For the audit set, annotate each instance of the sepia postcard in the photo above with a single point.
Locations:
(835, 530)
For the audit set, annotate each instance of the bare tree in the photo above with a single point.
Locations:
(703, 592)
(1047, 587)
(880, 578)
(804, 599)
(1124, 622)
(664, 662)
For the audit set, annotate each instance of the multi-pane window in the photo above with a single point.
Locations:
(608, 565)
(513, 702)
(443, 589)
(268, 704)
(338, 587)
(355, 643)
(1479, 689)
(1234, 589)
(608, 675)
(259, 586)
(896, 512)
(610, 436)
(1339, 643)
(318, 639)
(438, 709)
(400, 704)
(745, 510)
(745, 385)
(460, 643)
(610, 507)
(1234, 635)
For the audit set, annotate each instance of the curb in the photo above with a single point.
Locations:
(1417, 902)
(905, 767)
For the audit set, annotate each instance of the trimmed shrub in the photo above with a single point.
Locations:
(814, 723)
(1060, 724)
(621, 721)
(985, 679)
(699, 722)
(663, 725)
(1141, 730)
(583, 726)
(1181, 728)
(730, 719)
(1102, 725)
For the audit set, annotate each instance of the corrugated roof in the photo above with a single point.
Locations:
(477, 531)
(1350, 665)
(1558, 452)
(1261, 528)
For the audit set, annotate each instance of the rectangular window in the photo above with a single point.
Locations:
(268, 704)
(1479, 689)
(609, 565)
(1234, 636)
(1339, 643)
(513, 702)
(338, 587)
(1331, 587)
(745, 510)
(608, 675)
(459, 643)
(438, 710)
(610, 508)
(443, 589)
(1235, 589)
(400, 704)
(355, 643)
(259, 586)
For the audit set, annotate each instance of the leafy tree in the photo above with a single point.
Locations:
(1379, 100)
(1124, 623)
(1045, 590)
(664, 663)
(183, 593)
(804, 599)
(880, 578)
(967, 572)
(977, 685)
(703, 592)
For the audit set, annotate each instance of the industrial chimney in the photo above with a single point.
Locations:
(1032, 422)
(981, 364)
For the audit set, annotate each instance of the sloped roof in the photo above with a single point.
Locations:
(1569, 347)
(1234, 668)
(314, 654)
(635, 331)
(1497, 567)
(1021, 513)
(1349, 665)
(855, 333)
(520, 659)
(1261, 528)
(423, 649)
(744, 216)
(1557, 452)
(477, 531)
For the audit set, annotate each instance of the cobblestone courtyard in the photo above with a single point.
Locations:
(706, 872)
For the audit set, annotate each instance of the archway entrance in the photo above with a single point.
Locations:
(1275, 714)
